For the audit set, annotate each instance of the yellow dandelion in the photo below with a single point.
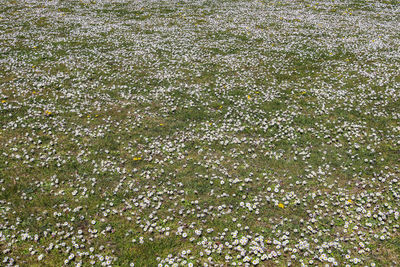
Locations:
(350, 201)
(280, 205)
(3, 101)
(137, 158)
(248, 97)
(161, 124)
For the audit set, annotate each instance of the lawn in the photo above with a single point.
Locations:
(199, 133)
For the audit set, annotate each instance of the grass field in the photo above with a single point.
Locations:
(199, 133)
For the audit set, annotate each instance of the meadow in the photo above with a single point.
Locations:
(199, 133)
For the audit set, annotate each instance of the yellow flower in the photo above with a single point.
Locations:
(137, 158)
(48, 113)
(161, 124)
(249, 97)
(350, 201)
(280, 205)
(3, 101)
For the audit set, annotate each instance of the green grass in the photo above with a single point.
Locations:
(157, 108)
